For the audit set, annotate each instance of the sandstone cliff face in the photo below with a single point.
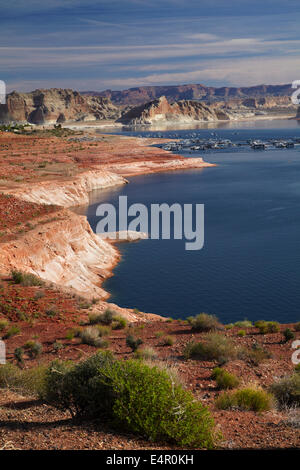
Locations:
(179, 112)
(65, 252)
(71, 192)
(56, 106)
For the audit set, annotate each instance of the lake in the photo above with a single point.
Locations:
(250, 264)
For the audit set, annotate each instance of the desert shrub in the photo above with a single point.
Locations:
(19, 355)
(39, 295)
(224, 379)
(159, 334)
(108, 316)
(82, 389)
(297, 326)
(288, 334)
(133, 343)
(246, 399)
(119, 323)
(26, 279)
(255, 355)
(91, 336)
(58, 346)
(287, 390)
(244, 324)
(27, 381)
(215, 348)
(103, 330)
(33, 348)
(12, 331)
(229, 326)
(297, 367)
(149, 403)
(133, 395)
(267, 326)
(73, 333)
(167, 341)
(147, 353)
(3, 324)
(51, 311)
(241, 333)
(203, 322)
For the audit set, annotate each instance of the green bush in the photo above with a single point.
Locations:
(26, 279)
(203, 322)
(287, 390)
(215, 348)
(224, 379)
(297, 326)
(267, 326)
(82, 389)
(246, 399)
(244, 324)
(241, 333)
(133, 395)
(288, 334)
(133, 343)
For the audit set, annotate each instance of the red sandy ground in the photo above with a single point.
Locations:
(29, 424)
(26, 158)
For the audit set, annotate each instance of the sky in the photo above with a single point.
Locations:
(119, 44)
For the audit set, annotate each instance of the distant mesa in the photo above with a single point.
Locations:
(141, 95)
(148, 105)
(56, 106)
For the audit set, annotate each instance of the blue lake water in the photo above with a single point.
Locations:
(250, 264)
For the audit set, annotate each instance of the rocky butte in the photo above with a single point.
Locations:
(191, 111)
(56, 106)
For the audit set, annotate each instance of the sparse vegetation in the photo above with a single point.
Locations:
(12, 331)
(287, 390)
(26, 279)
(147, 353)
(133, 343)
(203, 322)
(216, 347)
(224, 379)
(267, 326)
(244, 324)
(92, 336)
(288, 334)
(245, 399)
(33, 348)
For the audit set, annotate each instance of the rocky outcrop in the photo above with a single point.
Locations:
(64, 251)
(190, 111)
(56, 106)
(71, 192)
(141, 95)
(179, 112)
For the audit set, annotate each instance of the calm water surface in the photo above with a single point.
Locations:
(250, 264)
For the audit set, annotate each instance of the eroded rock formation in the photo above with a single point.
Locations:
(56, 106)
